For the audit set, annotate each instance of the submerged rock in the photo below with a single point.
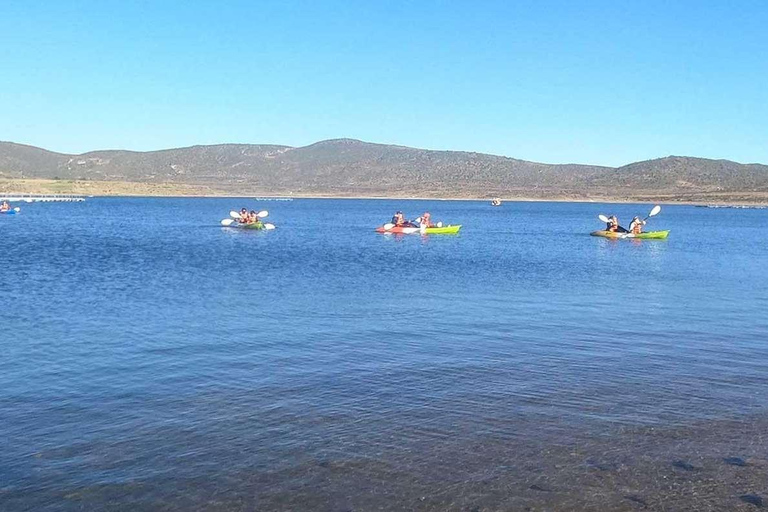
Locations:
(752, 499)
(680, 464)
(636, 499)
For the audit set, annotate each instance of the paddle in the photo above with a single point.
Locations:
(388, 226)
(656, 209)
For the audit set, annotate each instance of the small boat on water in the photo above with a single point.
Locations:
(649, 235)
(614, 230)
(495, 201)
(410, 230)
(249, 225)
(236, 220)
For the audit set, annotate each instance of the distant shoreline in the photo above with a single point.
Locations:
(136, 189)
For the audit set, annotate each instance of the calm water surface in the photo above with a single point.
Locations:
(152, 359)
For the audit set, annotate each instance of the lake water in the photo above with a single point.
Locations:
(153, 360)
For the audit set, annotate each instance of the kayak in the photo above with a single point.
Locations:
(253, 225)
(650, 235)
(10, 212)
(444, 230)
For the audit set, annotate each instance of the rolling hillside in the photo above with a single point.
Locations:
(346, 167)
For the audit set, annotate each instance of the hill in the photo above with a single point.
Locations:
(346, 167)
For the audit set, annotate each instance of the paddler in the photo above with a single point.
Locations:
(636, 226)
(5, 206)
(252, 217)
(398, 219)
(425, 220)
(243, 216)
(613, 225)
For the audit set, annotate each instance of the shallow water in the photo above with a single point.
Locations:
(156, 360)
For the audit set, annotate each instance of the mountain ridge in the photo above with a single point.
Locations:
(349, 167)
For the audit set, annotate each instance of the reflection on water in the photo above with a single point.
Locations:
(155, 360)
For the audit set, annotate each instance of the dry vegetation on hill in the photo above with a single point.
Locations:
(346, 167)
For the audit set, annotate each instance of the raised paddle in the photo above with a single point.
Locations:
(656, 209)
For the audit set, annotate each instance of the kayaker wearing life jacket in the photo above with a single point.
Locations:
(636, 226)
(5, 206)
(398, 219)
(425, 220)
(613, 225)
(252, 217)
(243, 216)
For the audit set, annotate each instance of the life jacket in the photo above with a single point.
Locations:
(399, 220)
(636, 228)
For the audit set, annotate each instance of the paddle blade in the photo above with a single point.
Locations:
(227, 222)
(234, 214)
(17, 209)
(269, 226)
(656, 209)
(603, 218)
(439, 224)
(388, 226)
(262, 214)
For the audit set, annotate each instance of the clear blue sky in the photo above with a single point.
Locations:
(601, 82)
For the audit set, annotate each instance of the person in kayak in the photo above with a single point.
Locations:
(425, 220)
(613, 225)
(398, 219)
(252, 217)
(636, 226)
(243, 216)
(5, 206)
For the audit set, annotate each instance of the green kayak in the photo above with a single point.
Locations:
(410, 230)
(650, 235)
(445, 230)
(253, 225)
